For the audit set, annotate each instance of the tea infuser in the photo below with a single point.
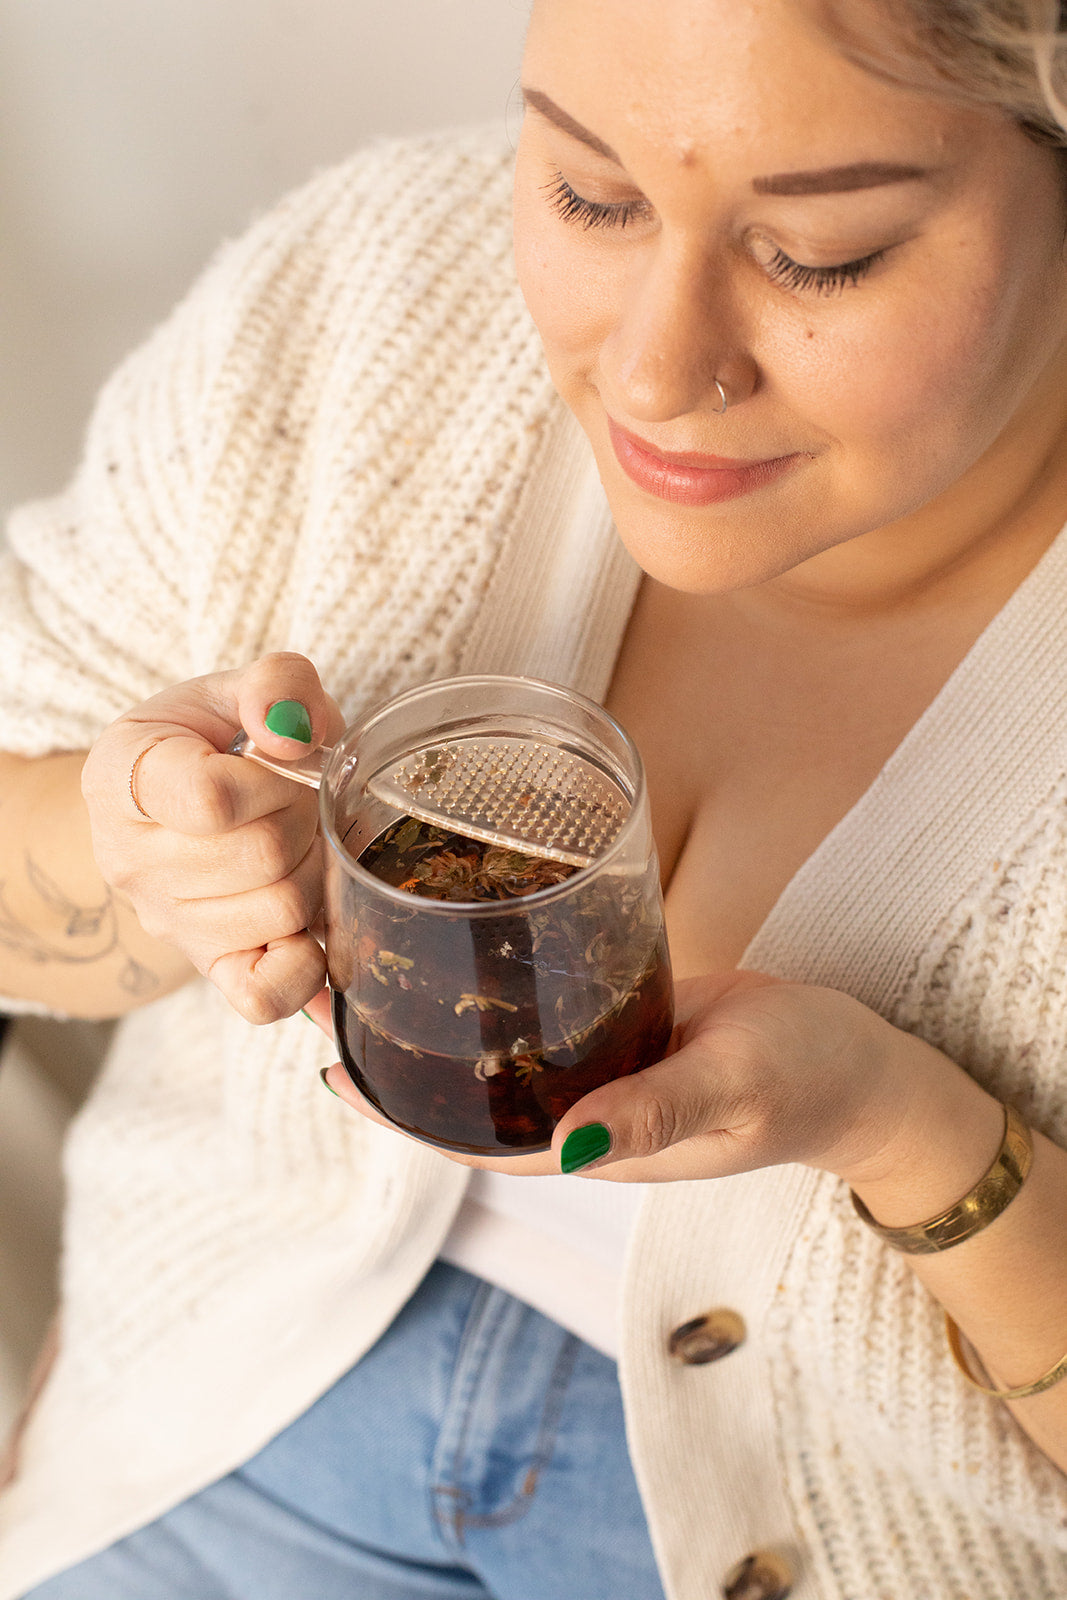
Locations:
(523, 794)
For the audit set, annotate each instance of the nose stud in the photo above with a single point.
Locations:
(722, 396)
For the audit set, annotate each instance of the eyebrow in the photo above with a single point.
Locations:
(828, 180)
(566, 123)
(839, 180)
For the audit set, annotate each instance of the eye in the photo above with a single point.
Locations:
(572, 207)
(575, 208)
(821, 280)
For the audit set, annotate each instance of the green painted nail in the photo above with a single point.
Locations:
(322, 1074)
(583, 1146)
(289, 720)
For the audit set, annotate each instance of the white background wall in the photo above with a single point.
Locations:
(135, 134)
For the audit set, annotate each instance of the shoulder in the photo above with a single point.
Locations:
(469, 168)
(394, 211)
(385, 244)
(369, 265)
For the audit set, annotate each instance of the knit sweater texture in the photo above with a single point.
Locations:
(345, 442)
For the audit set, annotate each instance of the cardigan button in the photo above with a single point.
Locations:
(707, 1338)
(760, 1576)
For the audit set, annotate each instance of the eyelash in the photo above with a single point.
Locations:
(573, 208)
(590, 213)
(822, 280)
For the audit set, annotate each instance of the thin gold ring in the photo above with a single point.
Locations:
(133, 779)
(722, 396)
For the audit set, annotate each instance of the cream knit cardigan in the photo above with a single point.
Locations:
(345, 443)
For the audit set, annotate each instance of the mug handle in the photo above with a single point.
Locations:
(306, 769)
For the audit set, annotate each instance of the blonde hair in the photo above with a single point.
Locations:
(1010, 55)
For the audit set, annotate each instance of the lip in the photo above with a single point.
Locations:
(688, 478)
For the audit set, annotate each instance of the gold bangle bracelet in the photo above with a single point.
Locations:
(994, 1190)
(1022, 1392)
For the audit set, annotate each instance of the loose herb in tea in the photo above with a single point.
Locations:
(426, 861)
(477, 1032)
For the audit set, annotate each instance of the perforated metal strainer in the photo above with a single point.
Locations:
(506, 774)
(525, 794)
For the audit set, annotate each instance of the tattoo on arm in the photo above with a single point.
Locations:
(73, 934)
(137, 979)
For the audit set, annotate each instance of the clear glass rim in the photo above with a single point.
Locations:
(479, 908)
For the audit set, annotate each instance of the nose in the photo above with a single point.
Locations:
(676, 330)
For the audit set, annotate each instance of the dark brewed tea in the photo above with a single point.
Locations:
(477, 1029)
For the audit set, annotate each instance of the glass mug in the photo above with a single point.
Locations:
(475, 1025)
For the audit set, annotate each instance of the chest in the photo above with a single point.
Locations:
(757, 741)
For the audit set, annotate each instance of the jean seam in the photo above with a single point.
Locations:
(547, 1433)
(484, 1319)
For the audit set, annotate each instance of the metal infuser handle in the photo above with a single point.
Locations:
(307, 770)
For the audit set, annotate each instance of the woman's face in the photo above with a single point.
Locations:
(708, 190)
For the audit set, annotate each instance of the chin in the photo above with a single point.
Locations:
(698, 553)
(701, 562)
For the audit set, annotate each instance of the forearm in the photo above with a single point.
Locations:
(65, 939)
(1006, 1286)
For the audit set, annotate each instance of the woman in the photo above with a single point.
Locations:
(799, 274)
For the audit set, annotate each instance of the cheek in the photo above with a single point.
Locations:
(926, 385)
(886, 387)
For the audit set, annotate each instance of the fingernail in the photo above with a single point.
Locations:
(289, 720)
(322, 1074)
(583, 1146)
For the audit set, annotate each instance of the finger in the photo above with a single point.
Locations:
(644, 1120)
(188, 787)
(205, 929)
(267, 984)
(216, 706)
(691, 1095)
(207, 713)
(536, 1165)
(281, 703)
(339, 1083)
(319, 1010)
(251, 856)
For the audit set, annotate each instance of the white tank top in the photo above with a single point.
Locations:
(557, 1243)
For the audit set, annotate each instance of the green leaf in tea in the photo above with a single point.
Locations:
(424, 860)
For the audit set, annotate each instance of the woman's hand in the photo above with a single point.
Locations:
(762, 1072)
(222, 859)
(759, 1073)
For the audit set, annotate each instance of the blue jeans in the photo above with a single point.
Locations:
(477, 1452)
